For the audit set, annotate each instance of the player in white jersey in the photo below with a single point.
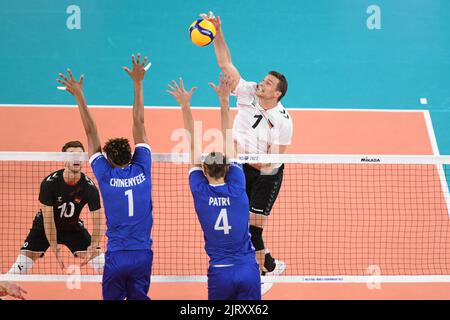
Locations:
(262, 125)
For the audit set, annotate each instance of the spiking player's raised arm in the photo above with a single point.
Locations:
(222, 52)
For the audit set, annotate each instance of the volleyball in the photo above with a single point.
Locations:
(202, 32)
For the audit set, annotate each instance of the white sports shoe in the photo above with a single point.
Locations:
(266, 286)
(280, 266)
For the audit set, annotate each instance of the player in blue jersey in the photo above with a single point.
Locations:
(221, 204)
(125, 184)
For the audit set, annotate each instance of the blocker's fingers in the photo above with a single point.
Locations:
(127, 70)
(61, 81)
(70, 74)
(63, 77)
(148, 66)
(132, 59)
(192, 90)
(181, 84)
(138, 58)
(145, 61)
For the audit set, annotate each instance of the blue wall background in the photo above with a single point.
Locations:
(330, 57)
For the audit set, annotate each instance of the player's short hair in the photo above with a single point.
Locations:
(118, 150)
(215, 165)
(282, 84)
(72, 144)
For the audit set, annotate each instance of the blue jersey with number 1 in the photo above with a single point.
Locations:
(224, 216)
(127, 199)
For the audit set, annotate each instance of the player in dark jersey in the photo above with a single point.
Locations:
(63, 194)
(221, 204)
(125, 184)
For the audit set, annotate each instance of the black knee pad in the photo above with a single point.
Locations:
(257, 239)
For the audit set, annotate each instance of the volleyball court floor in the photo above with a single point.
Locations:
(316, 131)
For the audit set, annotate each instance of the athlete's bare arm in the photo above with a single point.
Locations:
(137, 75)
(223, 53)
(76, 89)
(183, 97)
(51, 233)
(223, 92)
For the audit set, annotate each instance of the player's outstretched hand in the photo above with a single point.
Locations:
(213, 19)
(71, 85)
(139, 68)
(12, 289)
(223, 90)
(182, 96)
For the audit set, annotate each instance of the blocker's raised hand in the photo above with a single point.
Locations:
(71, 85)
(139, 68)
(182, 96)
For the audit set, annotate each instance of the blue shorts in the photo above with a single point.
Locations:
(127, 275)
(238, 282)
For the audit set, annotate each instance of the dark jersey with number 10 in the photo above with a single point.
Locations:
(68, 200)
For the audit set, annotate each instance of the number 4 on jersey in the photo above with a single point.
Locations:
(223, 219)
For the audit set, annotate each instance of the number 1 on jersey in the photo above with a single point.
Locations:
(223, 218)
(129, 194)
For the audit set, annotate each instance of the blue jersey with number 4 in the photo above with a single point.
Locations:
(223, 212)
(127, 199)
